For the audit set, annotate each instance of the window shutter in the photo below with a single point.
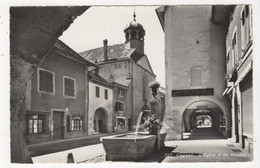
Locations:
(44, 123)
(69, 122)
(116, 106)
(84, 118)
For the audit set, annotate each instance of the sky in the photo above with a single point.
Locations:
(98, 23)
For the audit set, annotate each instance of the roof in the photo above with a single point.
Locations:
(121, 82)
(221, 13)
(62, 48)
(117, 51)
(93, 77)
(160, 14)
(135, 25)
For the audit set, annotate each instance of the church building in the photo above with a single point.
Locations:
(127, 67)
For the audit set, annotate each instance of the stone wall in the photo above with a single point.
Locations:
(192, 41)
(100, 102)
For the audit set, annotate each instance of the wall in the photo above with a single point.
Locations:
(191, 41)
(47, 103)
(141, 80)
(67, 67)
(99, 102)
(247, 112)
(121, 72)
(242, 92)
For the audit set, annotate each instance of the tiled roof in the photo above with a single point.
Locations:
(116, 51)
(63, 48)
(98, 79)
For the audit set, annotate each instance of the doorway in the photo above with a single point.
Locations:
(100, 121)
(58, 128)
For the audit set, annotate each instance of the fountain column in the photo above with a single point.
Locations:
(155, 109)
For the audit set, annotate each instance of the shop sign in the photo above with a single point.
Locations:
(193, 92)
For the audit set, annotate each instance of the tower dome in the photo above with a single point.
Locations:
(134, 30)
(134, 24)
(134, 36)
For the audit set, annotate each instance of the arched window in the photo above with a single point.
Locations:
(127, 36)
(133, 34)
(141, 36)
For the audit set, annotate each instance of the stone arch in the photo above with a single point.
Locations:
(211, 113)
(204, 120)
(208, 99)
(193, 109)
(100, 120)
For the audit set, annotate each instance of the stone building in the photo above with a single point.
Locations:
(127, 67)
(100, 104)
(56, 97)
(195, 67)
(208, 51)
(239, 75)
(28, 47)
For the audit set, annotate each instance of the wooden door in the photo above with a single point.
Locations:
(100, 125)
(58, 128)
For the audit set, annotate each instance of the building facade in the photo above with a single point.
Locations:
(100, 105)
(56, 97)
(121, 119)
(239, 75)
(127, 66)
(194, 49)
(208, 51)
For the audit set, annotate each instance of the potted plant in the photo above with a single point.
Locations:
(154, 86)
(153, 126)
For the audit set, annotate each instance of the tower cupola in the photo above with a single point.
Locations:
(134, 35)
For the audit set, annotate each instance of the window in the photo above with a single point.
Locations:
(69, 87)
(246, 25)
(121, 121)
(195, 77)
(36, 123)
(45, 81)
(227, 63)
(234, 52)
(97, 91)
(133, 35)
(76, 123)
(120, 93)
(106, 94)
(120, 106)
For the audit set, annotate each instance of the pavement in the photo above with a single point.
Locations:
(203, 145)
(65, 144)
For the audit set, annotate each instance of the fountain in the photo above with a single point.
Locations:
(138, 145)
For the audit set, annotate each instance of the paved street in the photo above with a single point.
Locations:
(196, 148)
(64, 144)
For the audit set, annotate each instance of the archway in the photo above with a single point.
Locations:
(198, 115)
(202, 115)
(100, 121)
(203, 121)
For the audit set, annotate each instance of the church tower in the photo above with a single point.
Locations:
(134, 35)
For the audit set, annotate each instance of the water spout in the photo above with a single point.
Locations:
(138, 122)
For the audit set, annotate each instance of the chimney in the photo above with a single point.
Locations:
(105, 49)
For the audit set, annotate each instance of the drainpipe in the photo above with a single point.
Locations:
(87, 101)
(132, 87)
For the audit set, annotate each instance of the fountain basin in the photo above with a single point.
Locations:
(128, 147)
